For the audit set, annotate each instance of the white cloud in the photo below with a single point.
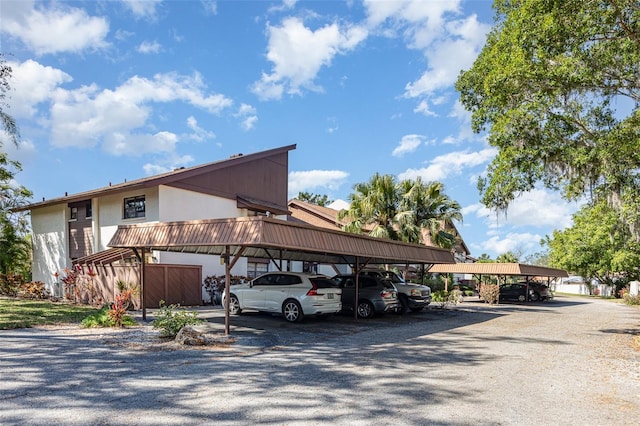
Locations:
(539, 208)
(199, 134)
(465, 38)
(149, 47)
(89, 116)
(248, 116)
(513, 242)
(298, 53)
(312, 179)
(210, 7)
(339, 205)
(32, 84)
(449, 164)
(423, 108)
(408, 144)
(143, 8)
(133, 144)
(172, 162)
(55, 29)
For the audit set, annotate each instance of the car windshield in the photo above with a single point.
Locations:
(388, 284)
(392, 276)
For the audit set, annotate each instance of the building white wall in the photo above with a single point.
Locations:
(163, 203)
(109, 214)
(50, 248)
(179, 204)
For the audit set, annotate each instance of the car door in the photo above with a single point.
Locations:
(278, 290)
(348, 286)
(253, 298)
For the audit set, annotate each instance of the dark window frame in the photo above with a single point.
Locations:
(134, 207)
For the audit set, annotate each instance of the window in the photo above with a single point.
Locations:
(88, 210)
(257, 267)
(74, 213)
(134, 207)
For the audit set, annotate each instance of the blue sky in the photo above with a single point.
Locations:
(111, 90)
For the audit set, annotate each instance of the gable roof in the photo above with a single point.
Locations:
(270, 238)
(314, 214)
(326, 217)
(169, 178)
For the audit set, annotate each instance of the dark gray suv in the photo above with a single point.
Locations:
(375, 295)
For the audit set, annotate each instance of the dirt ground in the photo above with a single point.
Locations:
(571, 361)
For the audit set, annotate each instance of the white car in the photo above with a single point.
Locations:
(291, 294)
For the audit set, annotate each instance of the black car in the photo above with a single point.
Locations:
(375, 295)
(518, 292)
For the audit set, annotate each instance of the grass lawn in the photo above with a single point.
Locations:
(23, 313)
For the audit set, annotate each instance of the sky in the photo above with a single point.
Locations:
(108, 90)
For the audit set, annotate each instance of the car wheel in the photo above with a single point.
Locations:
(234, 305)
(521, 298)
(534, 297)
(292, 311)
(365, 309)
(417, 309)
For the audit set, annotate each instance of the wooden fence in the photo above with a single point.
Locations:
(175, 284)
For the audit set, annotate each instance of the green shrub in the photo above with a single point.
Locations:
(103, 319)
(443, 298)
(170, 319)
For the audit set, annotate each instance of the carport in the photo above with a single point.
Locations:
(270, 238)
(500, 270)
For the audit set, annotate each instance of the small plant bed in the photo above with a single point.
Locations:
(25, 313)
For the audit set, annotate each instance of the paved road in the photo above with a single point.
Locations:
(569, 361)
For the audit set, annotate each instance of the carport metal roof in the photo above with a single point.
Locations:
(270, 238)
(267, 237)
(498, 269)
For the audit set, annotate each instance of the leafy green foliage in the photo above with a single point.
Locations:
(485, 258)
(508, 257)
(596, 246)
(557, 88)
(170, 319)
(118, 310)
(317, 199)
(386, 208)
(15, 247)
(103, 318)
(441, 299)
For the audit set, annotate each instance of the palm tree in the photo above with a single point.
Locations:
(426, 207)
(395, 210)
(374, 208)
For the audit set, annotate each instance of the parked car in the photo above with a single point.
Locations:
(514, 292)
(291, 294)
(518, 292)
(539, 291)
(412, 296)
(375, 295)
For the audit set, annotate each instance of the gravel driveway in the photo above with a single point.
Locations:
(568, 361)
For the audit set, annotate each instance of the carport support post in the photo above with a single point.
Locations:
(144, 308)
(227, 289)
(357, 293)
